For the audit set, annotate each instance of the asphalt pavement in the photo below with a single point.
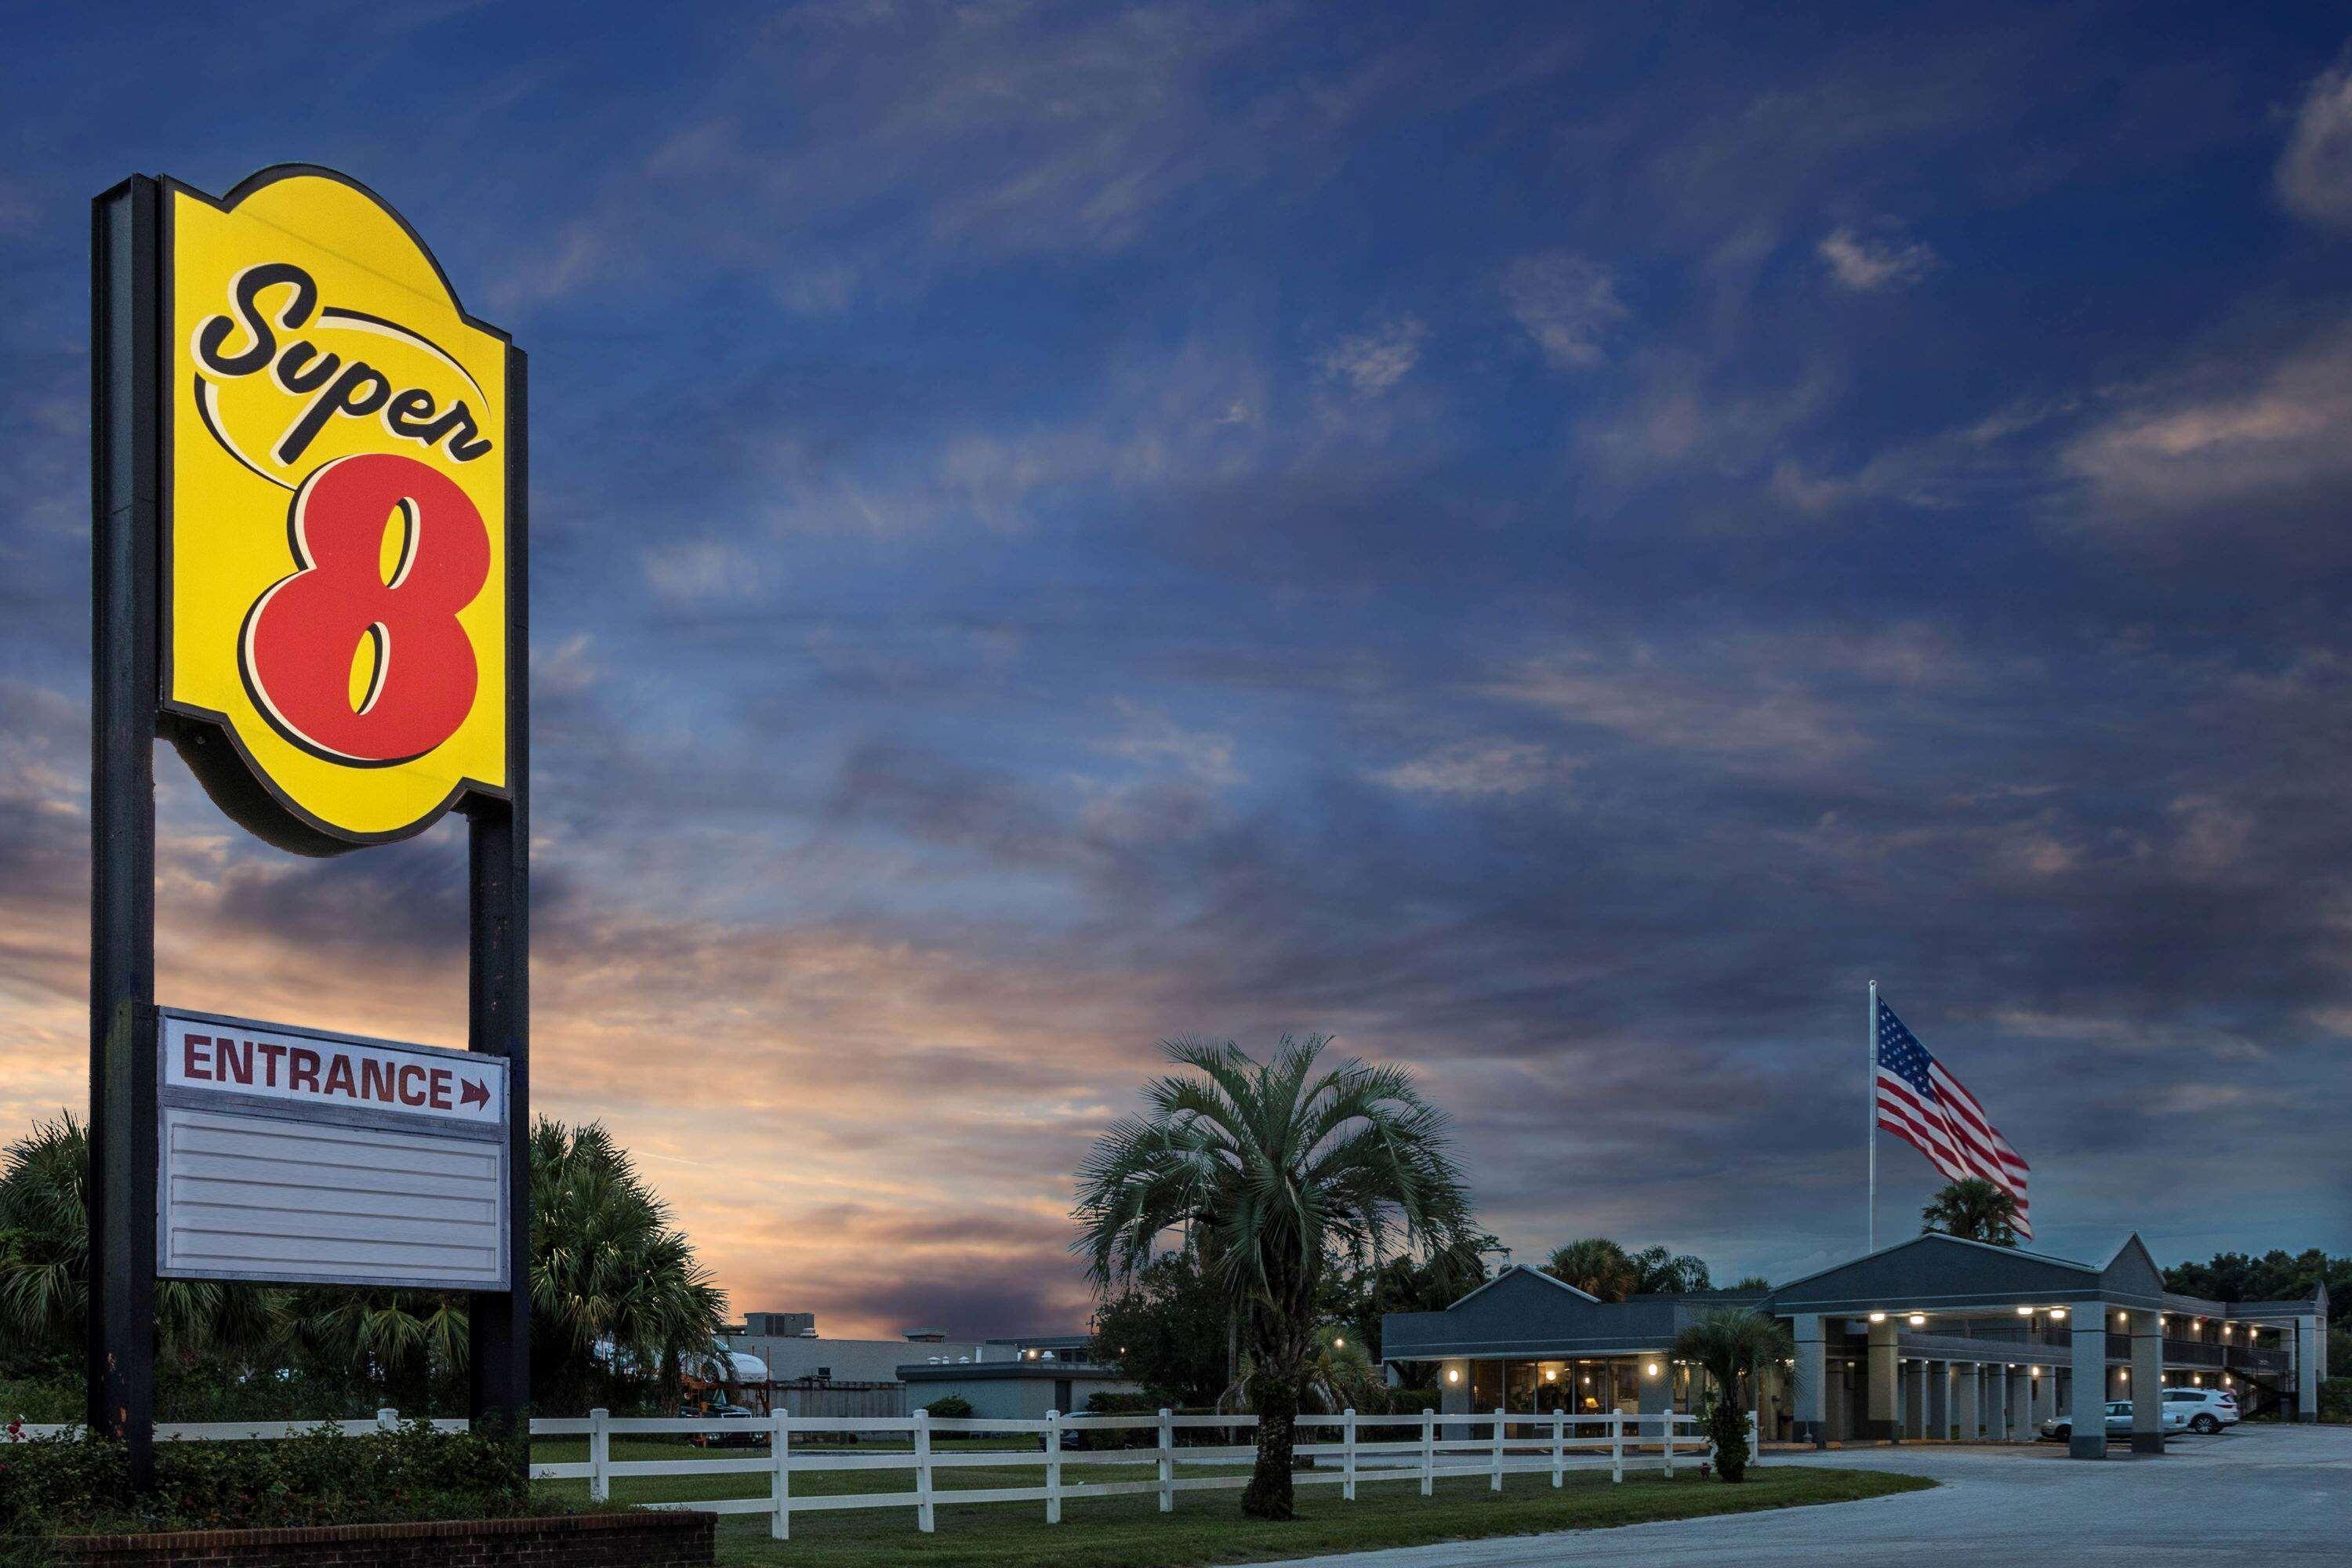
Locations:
(2267, 1494)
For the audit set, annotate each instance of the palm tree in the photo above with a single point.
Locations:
(1596, 1266)
(1662, 1272)
(1975, 1210)
(1282, 1174)
(44, 1260)
(1733, 1345)
(614, 1289)
(1599, 1267)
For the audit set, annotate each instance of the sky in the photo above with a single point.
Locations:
(1554, 543)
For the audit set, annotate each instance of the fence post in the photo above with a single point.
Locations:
(1496, 1484)
(1053, 1467)
(923, 1515)
(1347, 1436)
(1617, 1444)
(599, 1457)
(779, 1485)
(1666, 1425)
(1559, 1446)
(1756, 1431)
(1428, 1452)
(1167, 1464)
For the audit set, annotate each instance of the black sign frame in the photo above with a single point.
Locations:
(128, 478)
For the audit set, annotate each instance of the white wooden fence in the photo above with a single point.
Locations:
(1367, 1448)
(1492, 1446)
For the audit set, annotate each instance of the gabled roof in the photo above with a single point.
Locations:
(1551, 1279)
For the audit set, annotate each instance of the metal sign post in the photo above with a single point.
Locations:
(309, 496)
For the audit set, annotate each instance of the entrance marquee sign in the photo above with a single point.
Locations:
(309, 509)
(335, 517)
(295, 1155)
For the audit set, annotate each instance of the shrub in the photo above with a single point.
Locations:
(2336, 1399)
(950, 1407)
(81, 1485)
(1413, 1401)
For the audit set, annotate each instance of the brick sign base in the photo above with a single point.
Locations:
(570, 1540)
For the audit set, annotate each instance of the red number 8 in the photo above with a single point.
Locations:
(300, 636)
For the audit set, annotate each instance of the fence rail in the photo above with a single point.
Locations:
(1421, 1447)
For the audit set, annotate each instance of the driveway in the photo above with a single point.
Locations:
(2258, 1494)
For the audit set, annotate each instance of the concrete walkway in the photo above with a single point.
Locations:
(2258, 1494)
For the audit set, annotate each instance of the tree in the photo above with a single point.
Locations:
(1731, 1346)
(1427, 1282)
(1596, 1266)
(615, 1291)
(1599, 1267)
(1662, 1273)
(1166, 1330)
(1974, 1210)
(1282, 1172)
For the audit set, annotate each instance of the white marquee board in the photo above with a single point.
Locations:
(296, 1155)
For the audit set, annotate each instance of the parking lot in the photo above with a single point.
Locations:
(2255, 1494)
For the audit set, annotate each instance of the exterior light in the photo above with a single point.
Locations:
(2225, 1380)
(1453, 1374)
(2025, 1312)
(1918, 1319)
(1339, 1342)
(1878, 1317)
(2123, 1317)
(2036, 1370)
(2126, 1374)
(1651, 1370)
(2225, 1331)
(2197, 1378)
(2057, 1313)
(1551, 1376)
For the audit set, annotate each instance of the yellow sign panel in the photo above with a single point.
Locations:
(335, 535)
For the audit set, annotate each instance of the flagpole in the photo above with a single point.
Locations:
(1870, 1104)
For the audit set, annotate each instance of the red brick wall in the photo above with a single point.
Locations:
(576, 1540)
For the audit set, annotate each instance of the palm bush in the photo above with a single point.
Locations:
(1732, 1346)
(1281, 1173)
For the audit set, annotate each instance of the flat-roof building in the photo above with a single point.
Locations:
(1935, 1335)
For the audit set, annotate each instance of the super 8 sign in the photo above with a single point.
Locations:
(334, 527)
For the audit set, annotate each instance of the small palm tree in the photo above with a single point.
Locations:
(1282, 1174)
(1732, 1346)
(1975, 1210)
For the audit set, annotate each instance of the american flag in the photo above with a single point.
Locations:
(1927, 1107)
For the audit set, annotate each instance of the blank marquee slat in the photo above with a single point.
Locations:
(260, 1196)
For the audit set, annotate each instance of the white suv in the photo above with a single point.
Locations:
(2209, 1409)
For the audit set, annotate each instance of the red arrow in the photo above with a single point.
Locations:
(473, 1093)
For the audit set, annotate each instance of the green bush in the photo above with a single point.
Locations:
(1413, 1401)
(950, 1407)
(2336, 1399)
(81, 1485)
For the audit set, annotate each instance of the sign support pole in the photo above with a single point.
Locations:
(125, 294)
(498, 972)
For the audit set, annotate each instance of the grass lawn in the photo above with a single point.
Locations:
(1206, 1527)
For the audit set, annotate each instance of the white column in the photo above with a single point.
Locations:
(2310, 1351)
(2090, 1370)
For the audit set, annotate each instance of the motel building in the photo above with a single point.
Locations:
(1932, 1337)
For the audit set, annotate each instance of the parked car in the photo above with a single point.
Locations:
(753, 1436)
(2208, 1409)
(2175, 1418)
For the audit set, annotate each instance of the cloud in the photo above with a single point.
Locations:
(1566, 302)
(1872, 264)
(2277, 434)
(2314, 172)
(1471, 769)
(1376, 361)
